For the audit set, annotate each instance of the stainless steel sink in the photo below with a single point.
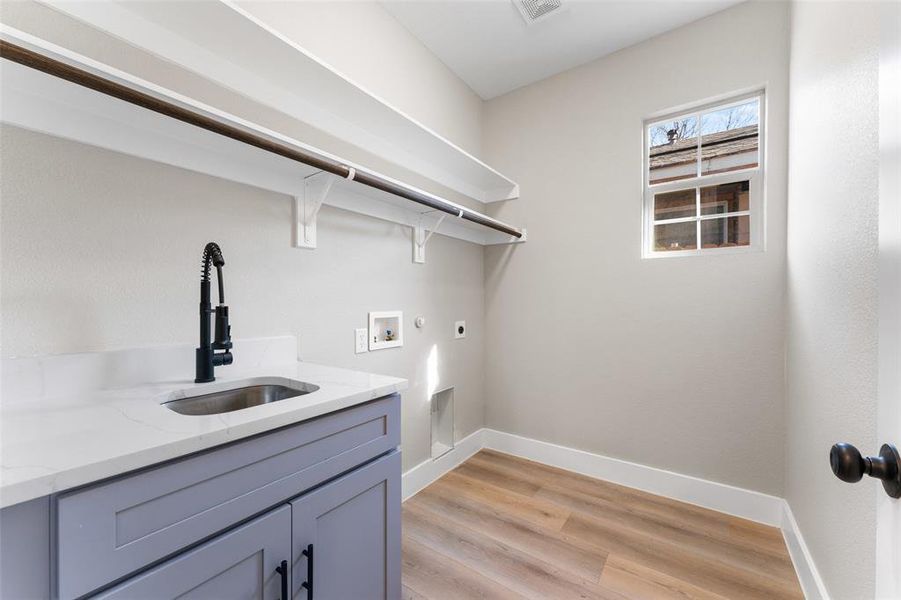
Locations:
(239, 398)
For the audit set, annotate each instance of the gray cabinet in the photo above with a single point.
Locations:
(217, 524)
(343, 540)
(239, 565)
(346, 536)
(108, 530)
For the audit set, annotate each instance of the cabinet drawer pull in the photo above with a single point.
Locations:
(308, 584)
(282, 570)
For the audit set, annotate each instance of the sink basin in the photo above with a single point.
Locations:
(239, 398)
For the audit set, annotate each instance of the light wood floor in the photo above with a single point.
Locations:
(503, 527)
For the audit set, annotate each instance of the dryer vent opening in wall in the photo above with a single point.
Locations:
(442, 422)
(533, 11)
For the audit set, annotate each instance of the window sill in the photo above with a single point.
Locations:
(647, 254)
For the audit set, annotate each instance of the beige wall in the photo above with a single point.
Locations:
(101, 250)
(832, 289)
(677, 362)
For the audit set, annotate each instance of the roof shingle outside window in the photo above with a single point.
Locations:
(720, 152)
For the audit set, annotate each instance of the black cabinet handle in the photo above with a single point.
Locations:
(308, 584)
(282, 570)
(848, 465)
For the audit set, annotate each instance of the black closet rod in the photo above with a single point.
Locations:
(83, 78)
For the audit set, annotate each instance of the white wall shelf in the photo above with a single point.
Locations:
(35, 100)
(250, 57)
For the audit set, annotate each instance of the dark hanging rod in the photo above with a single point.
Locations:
(83, 78)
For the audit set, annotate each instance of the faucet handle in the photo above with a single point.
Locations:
(223, 339)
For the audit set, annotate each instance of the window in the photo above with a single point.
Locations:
(703, 177)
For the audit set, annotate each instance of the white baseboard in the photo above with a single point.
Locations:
(747, 504)
(430, 470)
(724, 498)
(728, 499)
(811, 582)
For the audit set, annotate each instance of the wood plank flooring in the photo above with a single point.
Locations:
(502, 527)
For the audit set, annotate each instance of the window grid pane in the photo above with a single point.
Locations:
(676, 205)
(725, 198)
(673, 149)
(676, 236)
(726, 232)
(729, 138)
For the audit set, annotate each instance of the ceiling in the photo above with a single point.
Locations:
(488, 44)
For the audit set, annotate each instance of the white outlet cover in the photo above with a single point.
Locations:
(361, 340)
(460, 329)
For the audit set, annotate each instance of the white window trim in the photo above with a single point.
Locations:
(755, 177)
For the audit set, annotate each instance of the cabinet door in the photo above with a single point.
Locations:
(25, 550)
(352, 528)
(239, 564)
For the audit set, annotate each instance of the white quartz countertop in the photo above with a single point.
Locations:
(57, 440)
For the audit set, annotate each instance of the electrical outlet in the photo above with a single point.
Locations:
(361, 341)
(460, 329)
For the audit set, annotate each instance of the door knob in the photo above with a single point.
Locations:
(848, 465)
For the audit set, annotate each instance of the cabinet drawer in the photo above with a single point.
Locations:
(109, 530)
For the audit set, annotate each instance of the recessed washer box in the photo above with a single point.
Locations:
(386, 329)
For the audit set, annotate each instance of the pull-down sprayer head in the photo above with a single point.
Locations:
(212, 255)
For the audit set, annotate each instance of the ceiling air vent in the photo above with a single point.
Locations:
(533, 11)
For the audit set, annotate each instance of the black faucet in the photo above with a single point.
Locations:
(206, 357)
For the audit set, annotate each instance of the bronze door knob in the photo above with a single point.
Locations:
(849, 465)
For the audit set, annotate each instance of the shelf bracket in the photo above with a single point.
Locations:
(316, 189)
(306, 208)
(421, 236)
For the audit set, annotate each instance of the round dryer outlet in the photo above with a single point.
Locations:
(460, 329)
